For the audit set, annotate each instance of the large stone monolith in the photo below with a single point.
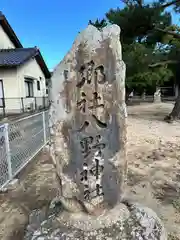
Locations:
(88, 119)
(88, 129)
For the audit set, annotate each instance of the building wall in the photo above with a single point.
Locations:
(31, 69)
(14, 87)
(5, 42)
(11, 90)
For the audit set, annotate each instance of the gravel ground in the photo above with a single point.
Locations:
(153, 174)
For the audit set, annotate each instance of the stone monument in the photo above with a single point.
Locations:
(88, 136)
(157, 95)
(88, 119)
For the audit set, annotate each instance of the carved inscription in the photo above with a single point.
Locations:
(91, 146)
(88, 71)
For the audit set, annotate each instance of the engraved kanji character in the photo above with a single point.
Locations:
(98, 154)
(86, 145)
(99, 122)
(82, 77)
(97, 169)
(84, 126)
(98, 145)
(95, 100)
(99, 190)
(90, 67)
(98, 138)
(100, 76)
(84, 172)
(86, 192)
(85, 71)
(81, 105)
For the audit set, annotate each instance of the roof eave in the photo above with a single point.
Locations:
(43, 65)
(11, 34)
(37, 55)
(8, 66)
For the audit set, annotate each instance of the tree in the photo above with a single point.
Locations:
(139, 75)
(144, 28)
(174, 63)
(99, 24)
(138, 42)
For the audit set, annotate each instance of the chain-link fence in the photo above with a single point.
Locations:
(20, 141)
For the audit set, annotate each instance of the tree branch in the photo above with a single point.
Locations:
(158, 64)
(170, 3)
(140, 3)
(126, 2)
(130, 3)
(175, 35)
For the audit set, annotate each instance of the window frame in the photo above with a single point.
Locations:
(38, 85)
(29, 82)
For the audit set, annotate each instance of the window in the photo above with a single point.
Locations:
(38, 85)
(29, 87)
(47, 91)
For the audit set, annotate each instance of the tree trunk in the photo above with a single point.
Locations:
(127, 96)
(175, 114)
(176, 90)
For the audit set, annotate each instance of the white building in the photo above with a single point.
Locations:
(23, 73)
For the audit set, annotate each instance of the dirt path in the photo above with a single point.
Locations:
(36, 189)
(153, 174)
(154, 162)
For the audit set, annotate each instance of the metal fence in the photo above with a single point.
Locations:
(20, 141)
(11, 106)
(148, 99)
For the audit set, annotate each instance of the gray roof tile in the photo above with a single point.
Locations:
(17, 56)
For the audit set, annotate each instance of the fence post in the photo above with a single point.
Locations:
(4, 109)
(22, 102)
(8, 151)
(44, 127)
(44, 104)
(35, 100)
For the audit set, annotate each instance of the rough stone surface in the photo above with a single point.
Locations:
(88, 119)
(133, 223)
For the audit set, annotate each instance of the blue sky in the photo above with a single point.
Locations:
(53, 25)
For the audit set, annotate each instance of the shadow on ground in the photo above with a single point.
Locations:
(36, 189)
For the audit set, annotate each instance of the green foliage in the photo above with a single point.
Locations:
(137, 23)
(99, 24)
(139, 75)
(174, 52)
(143, 43)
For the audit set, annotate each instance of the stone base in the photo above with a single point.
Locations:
(157, 99)
(120, 223)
